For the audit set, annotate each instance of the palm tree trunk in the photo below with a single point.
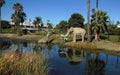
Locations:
(96, 10)
(0, 22)
(18, 29)
(18, 24)
(88, 18)
(96, 35)
(95, 31)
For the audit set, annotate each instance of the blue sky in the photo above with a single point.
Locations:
(57, 10)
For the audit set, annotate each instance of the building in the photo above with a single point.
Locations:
(30, 26)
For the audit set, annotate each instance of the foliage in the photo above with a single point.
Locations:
(18, 16)
(5, 24)
(114, 38)
(2, 2)
(23, 64)
(62, 25)
(6, 30)
(50, 25)
(37, 21)
(57, 31)
(76, 20)
(13, 30)
(10, 30)
(40, 32)
(112, 27)
(99, 24)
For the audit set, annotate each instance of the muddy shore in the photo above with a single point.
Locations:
(106, 45)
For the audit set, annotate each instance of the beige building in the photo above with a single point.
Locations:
(30, 26)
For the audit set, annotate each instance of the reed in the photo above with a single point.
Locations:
(23, 64)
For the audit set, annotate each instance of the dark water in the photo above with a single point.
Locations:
(69, 61)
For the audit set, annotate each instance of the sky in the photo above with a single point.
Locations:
(57, 10)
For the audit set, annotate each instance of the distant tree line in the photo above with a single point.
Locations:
(5, 24)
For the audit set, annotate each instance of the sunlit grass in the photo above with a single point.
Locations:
(23, 64)
(39, 33)
(81, 45)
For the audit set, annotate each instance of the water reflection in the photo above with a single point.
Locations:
(74, 56)
(70, 61)
(4, 45)
(94, 66)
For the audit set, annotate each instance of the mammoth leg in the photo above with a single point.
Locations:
(82, 38)
(74, 37)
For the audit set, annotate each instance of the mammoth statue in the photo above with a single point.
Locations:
(46, 39)
(76, 31)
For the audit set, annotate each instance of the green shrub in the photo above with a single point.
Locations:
(114, 38)
(56, 31)
(40, 33)
(6, 30)
(13, 30)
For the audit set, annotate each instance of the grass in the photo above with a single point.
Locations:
(39, 33)
(10, 30)
(114, 38)
(23, 64)
(81, 45)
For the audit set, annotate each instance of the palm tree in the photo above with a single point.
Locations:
(1, 4)
(101, 24)
(37, 21)
(18, 16)
(88, 17)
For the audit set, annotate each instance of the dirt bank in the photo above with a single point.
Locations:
(107, 45)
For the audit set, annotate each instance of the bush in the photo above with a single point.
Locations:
(13, 30)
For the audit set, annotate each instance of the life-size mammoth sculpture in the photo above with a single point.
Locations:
(76, 31)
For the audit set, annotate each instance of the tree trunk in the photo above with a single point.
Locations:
(96, 35)
(96, 10)
(88, 18)
(18, 29)
(95, 31)
(0, 22)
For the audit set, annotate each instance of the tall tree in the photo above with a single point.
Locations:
(37, 21)
(18, 16)
(62, 25)
(1, 4)
(76, 20)
(5, 24)
(88, 18)
(101, 24)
